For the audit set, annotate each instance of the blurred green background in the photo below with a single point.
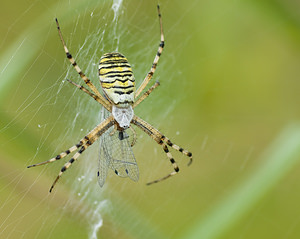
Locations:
(229, 93)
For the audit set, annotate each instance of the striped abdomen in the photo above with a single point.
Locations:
(117, 79)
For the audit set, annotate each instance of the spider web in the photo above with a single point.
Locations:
(217, 98)
(95, 30)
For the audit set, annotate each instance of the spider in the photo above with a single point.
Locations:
(119, 100)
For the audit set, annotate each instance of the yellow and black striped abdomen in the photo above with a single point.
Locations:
(117, 79)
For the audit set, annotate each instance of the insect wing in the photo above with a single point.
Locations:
(116, 153)
(104, 156)
(123, 161)
(104, 159)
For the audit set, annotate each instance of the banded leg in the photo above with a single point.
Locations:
(146, 94)
(159, 137)
(162, 140)
(77, 68)
(170, 157)
(101, 128)
(95, 97)
(69, 163)
(176, 147)
(61, 155)
(105, 124)
(156, 59)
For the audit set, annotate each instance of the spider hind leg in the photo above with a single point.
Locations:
(172, 160)
(69, 163)
(176, 147)
(61, 155)
(164, 141)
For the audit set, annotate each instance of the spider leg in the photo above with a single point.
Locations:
(156, 59)
(158, 136)
(109, 121)
(61, 155)
(77, 68)
(93, 136)
(69, 163)
(134, 136)
(184, 151)
(170, 157)
(95, 97)
(146, 94)
(162, 140)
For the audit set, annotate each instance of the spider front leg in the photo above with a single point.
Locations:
(156, 59)
(162, 140)
(77, 68)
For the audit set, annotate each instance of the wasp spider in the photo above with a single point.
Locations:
(119, 100)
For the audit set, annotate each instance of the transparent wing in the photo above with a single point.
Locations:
(116, 153)
(122, 159)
